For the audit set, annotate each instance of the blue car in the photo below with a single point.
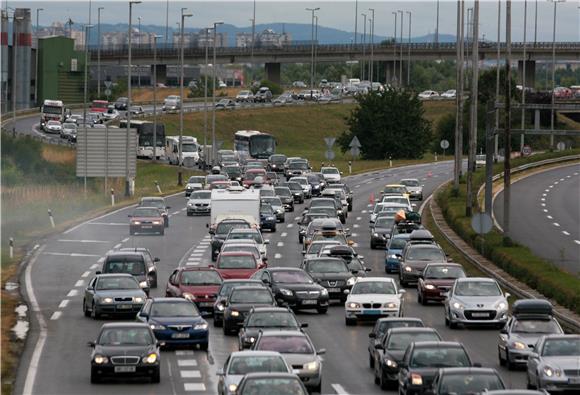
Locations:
(175, 322)
(395, 247)
(267, 218)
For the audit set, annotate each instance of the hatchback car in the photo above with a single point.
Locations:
(198, 284)
(250, 234)
(415, 258)
(221, 232)
(332, 273)
(237, 264)
(223, 294)
(146, 220)
(268, 218)
(381, 231)
(276, 162)
(193, 184)
(113, 294)
(239, 303)
(372, 298)
(393, 252)
(271, 383)
(277, 206)
(331, 174)
(199, 203)
(159, 203)
(436, 280)
(383, 325)
(286, 196)
(130, 262)
(261, 319)
(414, 188)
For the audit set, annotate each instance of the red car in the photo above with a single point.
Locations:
(436, 280)
(198, 284)
(250, 176)
(146, 220)
(237, 264)
(220, 185)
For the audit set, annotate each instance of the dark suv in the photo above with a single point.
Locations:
(221, 231)
(129, 262)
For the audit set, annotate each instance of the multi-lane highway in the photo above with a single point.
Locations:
(56, 359)
(547, 218)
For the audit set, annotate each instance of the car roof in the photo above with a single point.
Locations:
(413, 329)
(285, 269)
(152, 198)
(443, 264)
(399, 319)
(168, 300)
(244, 230)
(198, 269)
(375, 279)
(242, 280)
(251, 353)
(283, 333)
(325, 258)
(271, 375)
(109, 275)
(441, 344)
(468, 370)
(265, 309)
(249, 287)
(478, 279)
(125, 325)
(123, 253)
(236, 253)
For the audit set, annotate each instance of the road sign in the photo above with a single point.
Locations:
(329, 154)
(526, 150)
(107, 92)
(561, 146)
(329, 141)
(481, 223)
(444, 144)
(108, 84)
(354, 143)
(355, 151)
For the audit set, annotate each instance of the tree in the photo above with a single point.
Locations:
(388, 124)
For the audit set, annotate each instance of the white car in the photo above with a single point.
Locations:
(414, 187)
(426, 95)
(69, 130)
(306, 187)
(331, 175)
(111, 114)
(245, 96)
(371, 298)
(402, 200)
(199, 202)
(450, 94)
(53, 127)
(387, 207)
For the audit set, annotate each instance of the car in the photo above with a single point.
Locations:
(530, 320)
(240, 363)
(405, 226)
(286, 196)
(314, 248)
(172, 103)
(137, 110)
(381, 231)
(261, 319)
(389, 353)
(136, 261)
(339, 195)
(215, 176)
(125, 350)
(324, 229)
(382, 326)
(299, 84)
(283, 99)
(296, 190)
(251, 176)
(264, 95)
(436, 280)
(476, 301)
(277, 206)
(294, 288)
(428, 95)
(198, 284)
(250, 234)
(199, 202)
(245, 97)
(237, 264)
(414, 259)
(553, 365)
(113, 294)
(299, 352)
(268, 218)
(296, 169)
(53, 127)
(332, 273)
(474, 380)
(514, 392)
(308, 217)
(310, 94)
(244, 245)
(224, 292)
(414, 188)
(372, 298)
(175, 321)
(393, 252)
(423, 360)
(394, 190)
(159, 203)
(121, 103)
(353, 261)
(221, 231)
(329, 202)
(111, 114)
(69, 131)
(226, 104)
(306, 187)
(348, 193)
(276, 162)
(316, 185)
(233, 172)
(239, 303)
(449, 94)
(271, 383)
(331, 175)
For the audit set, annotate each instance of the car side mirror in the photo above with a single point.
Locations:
(143, 314)
(304, 325)
(168, 207)
(266, 281)
(98, 272)
(379, 346)
(156, 259)
(402, 291)
(322, 351)
(219, 372)
(91, 344)
(368, 269)
(372, 335)
(346, 291)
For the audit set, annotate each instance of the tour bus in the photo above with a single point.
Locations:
(146, 138)
(254, 144)
(52, 110)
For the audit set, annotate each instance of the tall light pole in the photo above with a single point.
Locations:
(207, 29)
(99, 51)
(473, 117)
(395, 50)
(437, 26)
(15, 49)
(213, 141)
(355, 21)
(180, 171)
(316, 45)
(536, 25)
(36, 66)
(253, 39)
(166, 22)
(155, 37)
(87, 27)
(401, 62)
(312, 10)
(371, 63)
(497, 79)
(364, 44)
(139, 44)
(553, 74)
(522, 136)
(458, 91)
(129, 97)
(508, 123)
(409, 53)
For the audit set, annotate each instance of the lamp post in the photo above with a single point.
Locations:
(253, 39)
(401, 62)
(139, 44)
(364, 43)
(372, 40)
(87, 27)
(207, 29)
(99, 51)
(15, 49)
(213, 141)
(166, 23)
(437, 26)
(155, 37)
(409, 52)
(36, 66)
(313, 10)
(497, 80)
(128, 151)
(395, 50)
(180, 171)
(553, 74)
(522, 136)
(316, 45)
(355, 21)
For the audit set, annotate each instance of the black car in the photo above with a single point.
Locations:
(286, 196)
(295, 169)
(268, 218)
(223, 294)
(121, 104)
(296, 190)
(381, 231)
(294, 288)
(353, 261)
(271, 383)
(130, 262)
(276, 162)
(234, 173)
(240, 301)
(383, 325)
(303, 223)
(388, 354)
(125, 350)
(472, 381)
(332, 273)
(266, 318)
(315, 183)
(221, 231)
(150, 262)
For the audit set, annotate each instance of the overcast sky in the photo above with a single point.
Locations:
(336, 14)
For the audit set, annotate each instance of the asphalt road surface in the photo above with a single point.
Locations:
(67, 261)
(546, 215)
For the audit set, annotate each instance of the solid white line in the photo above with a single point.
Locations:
(73, 292)
(102, 223)
(186, 362)
(126, 239)
(55, 316)
(339, 389)
(280, 244)
(80, 283)
(94, 266)
(277, 256)
(63, 304)
(117, 246)
(85, 274)
(190, 374)
(556, 224)
(566, 233)
(82, 241)
(283, 234)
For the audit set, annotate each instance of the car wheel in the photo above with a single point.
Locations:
(384, 384)
(501, 360)
(452, 324)
(322, 310)
(85, 310)
(300, 239)
(217, 323)
(283, 219)
(166, 222)
(274, 228)
(162, 232)
(203, 346)
(94, 313)
(373, 246)
(95, 379)
(509, 363)
(226, 329)
(154, 282)
(371, 361)
(446, 319)
(292, 208)
(404, 284)
(156, 378)
(318, 388)
(189, 214)
(350, 321)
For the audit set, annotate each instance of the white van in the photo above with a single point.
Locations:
(189, 146)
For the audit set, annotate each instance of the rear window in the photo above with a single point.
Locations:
(439, 357)
(227, 226)
(237, 262)
(134, 266)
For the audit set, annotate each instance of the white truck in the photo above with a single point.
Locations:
(189, 146)
(235, 203)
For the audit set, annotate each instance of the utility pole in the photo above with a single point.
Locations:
(522, 136)
(497, 81)
(473, 118)
(253, 39)
(155, 37)
(166, 22)
(139, 43)
(180, 171)
(371, 63)
(85, 91)
(312, 10)
(316, 44)
(401, 62)
(437, 26)
(409, 53)
(508, 124)
(205, 96)
(213, 140)
(129, 97)
(552, 112)
(36, 66)
(458, 96)
(394, 79)
(362, 67)
(99, 51)
(536, 25)
(355, 21)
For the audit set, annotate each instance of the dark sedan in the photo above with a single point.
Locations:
(268, 218)
(436, 280)
(113, 294)
(240, 302)
(146, 220)
(286, 196)
(223, 294)
(383, 325)
(125, 350)
(381, 231)
(266, 319)
(332, 273)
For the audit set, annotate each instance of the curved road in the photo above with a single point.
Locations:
(546, 215)
(67, 261)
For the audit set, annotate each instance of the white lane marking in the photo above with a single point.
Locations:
(204, 243)
(556, 224)
(290, 226)
(192, 264)
(194, 386)
(358, 218)
(339, 389)
(577, 241)
(183, 352)
(545, 210)
(186, 362)
(190, 374)
(369, 182)
(354, 234)
(106, 224)
(364, 211)
(101, 259)
(544, 194)
(543, 204)
(357, 186)
(85, 274)
(198, 254)
(283, 234)
(183, 209)
(549, 217)
(277, 256)
(547, 190)
(551, 186)
(82, 241)
(117, 246)
(561, 179)
(280, 244)
(80, 283)
(55, 316)
(355, 245)
(126, 239)
(63, 304)
(369, 205)
(568, 176)
(201, 248)
(566, 233)
(296, 218)
(556, 182)
(73, 292)
(175, 213)
(73, 254)
(543, 199)
(94, 266)
(356, 226)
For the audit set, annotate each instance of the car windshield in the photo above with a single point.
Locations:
(201, 195)
(395, 199)
(256, 236)
(266, 209)
(271, 385)
(272, 319)
(325, 202)
(397, 243)
(215, 177)
(110, 283)
(444, 272)
(251, 175)
(562, 347)
(135, 268)
(330, 170)
(316, 247)
(69, 126)
(536, 326)
(477, 288)
(395, 190)
(250, 296)
(294, 186)
(410, 183)
(153, 203)
(393, 208)
(374, 287)
(400, 341)
(430, 254)
(146, 212)
(328, 211)
(200, 277)
(125, 336)
(272, 201)
(301, 181)
(278, 159)
(384, 222)
(327, 266)
(174, 309)
(298, 166)
(196, 180)
(384, 326)
(237, 262)
(469, 383)
(283, 192)
(243, 248)
(439, 357)
(243, 365)
(291, 277)
(285, 344)
(224, 228)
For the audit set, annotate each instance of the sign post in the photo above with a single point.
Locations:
(444, 144)
(481, 223)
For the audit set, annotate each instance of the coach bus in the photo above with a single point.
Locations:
(254, 144)
(145, 136)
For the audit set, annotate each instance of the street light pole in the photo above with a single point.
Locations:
(522, 136)
(180, 171)
(99, 51)
(139, 43)
(87, 27)
(364, 44)
(536, 25)
(473, 119)
(553, 75)
(253, 39)
(371, 64)
(312, 47)
(316, 44)
(36, 66)
(401, 62)
(497, 80)
(355, 21)
(437, 26)
(205, 96)
(213, 141)
(395, 50)
(129, 97)
(409, 53)
(155, 37)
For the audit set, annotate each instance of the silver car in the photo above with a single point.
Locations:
(476, 301)
(199, 203)
(306, 187)
(240, 363)
(414, 188)
(113, 294)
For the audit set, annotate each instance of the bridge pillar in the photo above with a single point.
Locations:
(530, 73)
(391, 74)
(161, 73)
(273, 72)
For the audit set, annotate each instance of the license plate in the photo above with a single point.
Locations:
(205, 304)
(372, 312)
(146, 226)
(482, 315)
(180, 336)
(309, 302)
(125, 306)
(124, 369)
(333, 290)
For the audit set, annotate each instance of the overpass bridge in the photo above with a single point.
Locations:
(389, 53)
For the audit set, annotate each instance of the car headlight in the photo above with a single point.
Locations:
(551, 372)
(393, 256)
(519, 346)
(416, 379)
(316, 186)
(311, 365)
(501, 306)
(285, 292)
(353, 305)
(390, 363)
(138, 299)
(188, 296)
(157, 327)
(107, 300)
(339, 211)
(200, 327)
(457, 306)
(156, 222)
(270, 218)
(408, 269)
(100, 359)
(232, 387)
(375, 235)
(252, 339)
(136, 222)
(189, 204)
(143, 284)
(351, 281)
(323, 292)
(429, 286)
(391, 305)
(151, 358)
(235, 313)
(220, 307)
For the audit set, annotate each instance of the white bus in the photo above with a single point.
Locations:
(254, 144)
(145, 135)
(52, 110)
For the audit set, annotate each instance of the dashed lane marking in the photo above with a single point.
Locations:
(83, 241)
(556, 224)
(280, 244)
(55, 316)
(186, 362)
(556, 182)
(543, 204)
(71, 254)
(183, 352)
(290, 226)
(577, 241)
(356, 226)
(354, 234)
(549, 217)
(80, 283)
(364, 211)
(339, 389)
(63, 304)
(543, 199)
(191, 263)
(175, 212)
(544, 194)
(283, 234)
(194, 386)
(566, 233)
(73, 292)
(94, 266)
(357, 186)
(126, 239)
(190, 374)
(358, 218)
(547, 190)
(277, 256)
(545, 210)
(85, 274)
(197, 254)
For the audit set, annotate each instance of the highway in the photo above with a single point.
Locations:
(546, 215)
(66, 262)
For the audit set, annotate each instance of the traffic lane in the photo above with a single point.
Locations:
(540, 224)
